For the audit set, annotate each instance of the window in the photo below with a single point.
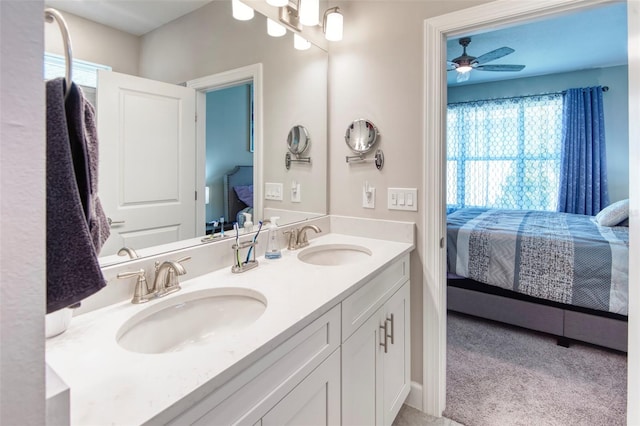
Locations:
(504, 153)
(84, 73)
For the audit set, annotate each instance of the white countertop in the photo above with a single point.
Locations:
(110, 385)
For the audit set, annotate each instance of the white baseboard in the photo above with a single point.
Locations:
(415, 396)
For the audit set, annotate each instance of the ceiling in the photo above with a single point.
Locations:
(136, 17)
(593, 38)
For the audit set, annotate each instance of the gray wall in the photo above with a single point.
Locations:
(22, 227)
(96, 43)
(208, 41)
(376, 72)
(616, 110)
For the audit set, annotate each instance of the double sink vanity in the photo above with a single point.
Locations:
(319, 336)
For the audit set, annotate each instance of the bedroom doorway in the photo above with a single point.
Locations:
(229, 144)
(436, 30)
(244, 85)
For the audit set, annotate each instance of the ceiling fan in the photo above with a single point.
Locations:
(465, 63)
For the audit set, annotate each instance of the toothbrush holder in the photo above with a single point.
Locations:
(238, 266)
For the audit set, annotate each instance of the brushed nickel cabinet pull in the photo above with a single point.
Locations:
(390, 319)
(385, 333)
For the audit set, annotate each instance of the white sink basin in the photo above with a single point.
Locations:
(334, 254)
(191, 319)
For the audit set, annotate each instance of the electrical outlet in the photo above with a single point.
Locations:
(296, 197)
(368, 197)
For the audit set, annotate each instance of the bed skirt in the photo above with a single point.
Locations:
(564, 321)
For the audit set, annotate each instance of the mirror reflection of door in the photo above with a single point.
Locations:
(229, 155)
(147, 140)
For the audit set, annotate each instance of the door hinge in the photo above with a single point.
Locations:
(196, 195)
(441, 242)
(196, 118)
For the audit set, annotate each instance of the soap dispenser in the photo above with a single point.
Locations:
(248, 225)
(273, 248)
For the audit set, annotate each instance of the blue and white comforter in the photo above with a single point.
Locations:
(562, 257)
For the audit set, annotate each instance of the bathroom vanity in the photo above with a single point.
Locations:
(326, 342)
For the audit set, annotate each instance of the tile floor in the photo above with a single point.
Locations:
(409, 416)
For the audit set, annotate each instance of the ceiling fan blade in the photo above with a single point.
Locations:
(451, 66)
(463, 76)
(494, 54)
(503, 67)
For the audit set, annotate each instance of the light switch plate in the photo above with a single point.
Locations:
(402, 199)
(273, 191)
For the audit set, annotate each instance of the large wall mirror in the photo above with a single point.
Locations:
(205, 43)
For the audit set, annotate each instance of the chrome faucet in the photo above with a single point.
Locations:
(142, 293)
(297, 237)
(292, 239)
(166, 280)
(128, 251)
(301, 240)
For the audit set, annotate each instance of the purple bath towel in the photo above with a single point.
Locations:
(73, 271)
(81, 121)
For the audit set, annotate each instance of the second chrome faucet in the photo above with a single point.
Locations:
(297, 237)
(165, 282)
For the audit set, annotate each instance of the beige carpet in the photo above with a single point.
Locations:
(503, 375)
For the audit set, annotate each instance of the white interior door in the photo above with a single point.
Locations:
(147, 160)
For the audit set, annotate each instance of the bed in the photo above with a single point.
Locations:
(238, 193)
(558, 273)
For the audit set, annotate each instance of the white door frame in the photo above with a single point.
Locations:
(249, 73)
(501, 13)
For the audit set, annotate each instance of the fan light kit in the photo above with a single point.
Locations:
(465, 63)
(295, 14)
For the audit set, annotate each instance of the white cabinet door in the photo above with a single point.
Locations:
(315, 401)
(375, 382)
(396, 381)
(147, 160)
(360, 367)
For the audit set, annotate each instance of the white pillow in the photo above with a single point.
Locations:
(614, 213)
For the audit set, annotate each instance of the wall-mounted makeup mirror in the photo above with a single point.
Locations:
(209, 42)
(298, 141)
(360, 137)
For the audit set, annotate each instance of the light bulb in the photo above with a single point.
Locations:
(241, 11)
(300, 43)
(278, 3)
(309, 12)
(464, 69)
(274, 29)
(333, 26)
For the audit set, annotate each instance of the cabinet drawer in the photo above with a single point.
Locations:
(358, 307)
(249, 395)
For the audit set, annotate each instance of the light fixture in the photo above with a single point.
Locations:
(274, 29)
(332, 24)
(463, 71)
(241, 11)
(278, 3)
(289, 16)
(309, 12)
(300, 43)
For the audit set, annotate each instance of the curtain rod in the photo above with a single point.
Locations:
(604, 89)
